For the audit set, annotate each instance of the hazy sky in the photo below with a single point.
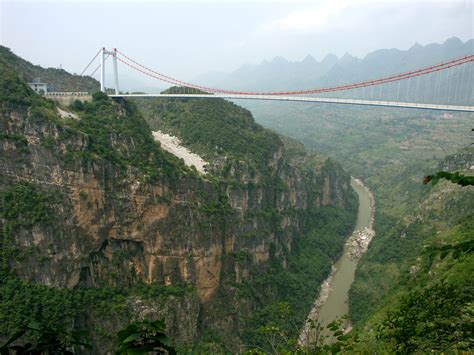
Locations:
(189, 38)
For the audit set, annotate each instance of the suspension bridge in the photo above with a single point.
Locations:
(446, 86)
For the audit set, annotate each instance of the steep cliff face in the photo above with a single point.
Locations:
(113, 211)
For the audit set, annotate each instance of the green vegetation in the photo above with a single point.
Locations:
(15, 93)
(297, 283)
(391, 151)
(24, 205)
(22, 302)
(60, 79)
(46, 340)
(21, 206)
(429, 309)
(216, 129)
(143, 338)
(117, 133)
(213, 128)
(456, 177)
(434, 318)
(112, 138)
(283, 343)
(114, 131)
(20, 141)
(437, 211)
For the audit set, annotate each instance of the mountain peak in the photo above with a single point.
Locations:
(347, 58)
(308, 59)
(330, 58)
(453, 40)
(416, 46)
(279, 60)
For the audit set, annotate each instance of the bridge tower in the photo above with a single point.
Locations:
(103, 54)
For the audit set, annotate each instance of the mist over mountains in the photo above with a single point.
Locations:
(281, 74)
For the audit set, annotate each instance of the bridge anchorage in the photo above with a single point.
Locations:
(446, 86)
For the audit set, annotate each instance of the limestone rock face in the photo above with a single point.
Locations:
(113, 228)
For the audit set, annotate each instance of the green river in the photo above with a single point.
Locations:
(333, 299)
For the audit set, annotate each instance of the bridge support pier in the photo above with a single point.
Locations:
(115, 72)
(103, 54)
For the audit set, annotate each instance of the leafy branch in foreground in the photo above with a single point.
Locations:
(319, 339)
(143, 338)
(455, 250)
(45, 340)
(437, 318)
(456, 178)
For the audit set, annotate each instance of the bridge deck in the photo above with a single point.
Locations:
(412, 105)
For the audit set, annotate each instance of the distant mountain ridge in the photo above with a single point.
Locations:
(281, 74)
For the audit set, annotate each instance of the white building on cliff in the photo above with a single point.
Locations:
(38, 86)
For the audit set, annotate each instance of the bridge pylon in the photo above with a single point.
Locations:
(103, 53)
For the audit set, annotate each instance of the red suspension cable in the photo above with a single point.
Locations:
(406, 75)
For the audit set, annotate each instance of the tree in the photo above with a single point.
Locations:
(146, 337)
(45, 340)
(143, 338)
(456, 178)
(437, 318)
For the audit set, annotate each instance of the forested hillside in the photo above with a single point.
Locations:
(424, 266)
(60, 79)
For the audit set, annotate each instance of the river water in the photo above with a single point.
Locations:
(332, 302)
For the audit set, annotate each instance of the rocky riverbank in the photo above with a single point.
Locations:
(359, 241)
(310, 334)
